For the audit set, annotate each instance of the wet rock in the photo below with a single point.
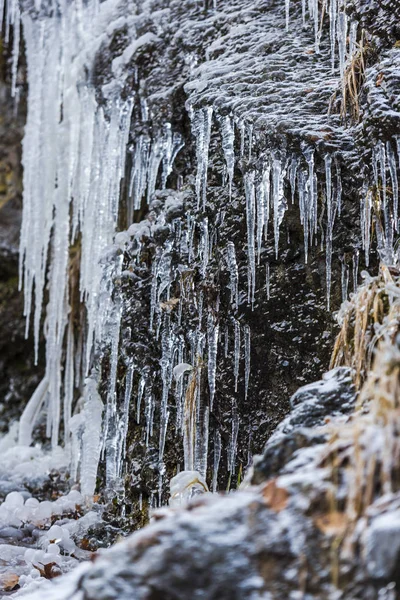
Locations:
(311, 406)
(383, 546)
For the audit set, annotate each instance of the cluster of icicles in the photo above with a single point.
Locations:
(74, 155)
(342, 30)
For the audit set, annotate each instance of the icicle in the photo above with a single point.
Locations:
(124, 418)
(331, 206)
(189, 416)
(233, 274)
(260, 202)
(395, 184)
(228, 140)
(141, 388)
(204, 246)
(201, 126)
(149, 413)
(212, 339)
(247, 342)
(166, 376)
(217, 459)
(93, 408)
(311, 208)
(250, 216)
(233, 441)
(287, 7)
(366, 214)
(352, 39)
(31, 412)
(388, 220)
(68, 382)
(345, 279)
(342, 25)
(332, 30)
(138, 181)
(15, 51)
(356, 257)
(226, 344)
(266, 193)
(236, 353)
(112, 418)
(292, 175)
(338, 187)
(202, 434)
(250, 136)
(317, 33)
(279, 201)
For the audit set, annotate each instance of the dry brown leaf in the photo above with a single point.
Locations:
(49, 571)
(380, 79)
(9, 581)
(333, 523)
(169, 304)
(275, 497)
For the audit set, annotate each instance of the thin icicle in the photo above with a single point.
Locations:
(228, 140)
(233, 273)
(331, 207)
(279, 200)
(356, 257)
(287, 10)
(247, 350)
(141, 388)
(68, 382)
(201, 126)
(332, 29)
(212, 339)
(217, 459)
(236, 354)
(260, 202)
(93, 409)
(293, 175)
(250, 217)
(233, 441)
(395, 184)
(366, 221)
(345, 279)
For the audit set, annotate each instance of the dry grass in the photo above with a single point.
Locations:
(370, 313)
(364, 453)
(352, 82)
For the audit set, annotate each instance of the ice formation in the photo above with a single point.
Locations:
(87, 145)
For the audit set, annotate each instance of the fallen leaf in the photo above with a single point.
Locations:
(379, 79)
(333, 523)
(275, 497)
(49, 571)
(9, 581)
(169, 305)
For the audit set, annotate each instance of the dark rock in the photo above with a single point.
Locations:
(311, 405)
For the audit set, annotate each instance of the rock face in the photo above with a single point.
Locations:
(310, 406)
(291, 537)
(246, 207)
